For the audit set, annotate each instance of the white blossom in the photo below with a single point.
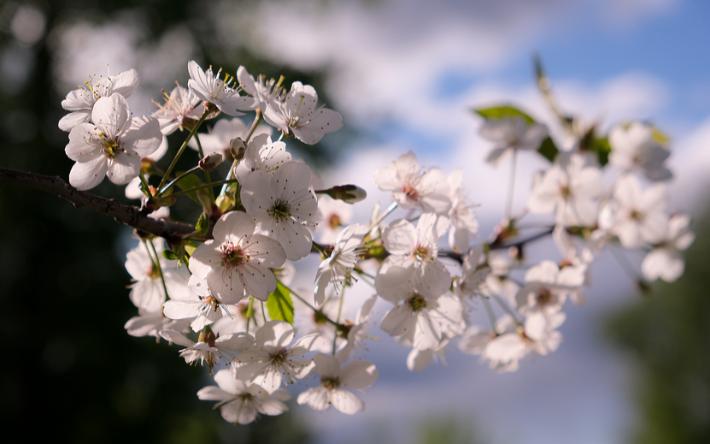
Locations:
(284, 206)
(511, 134)
(80, 102)
(424, 314)
(569, 188)
(463, 221)
(337, 383)
(634, 147)
(413, 187)
(262, 154)
(336, 269)
(547, 286)
(147, 292)
(112, 145)
(665, 261)
(299, 114)
(636, 215)
(274, 356)
(182, 108)
(334, 215)
(239, 401)
(237, 261)
(209, 87)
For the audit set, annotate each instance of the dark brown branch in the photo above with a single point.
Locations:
(519, 243)
(126, 214)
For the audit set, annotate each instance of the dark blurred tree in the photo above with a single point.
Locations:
(70, 373)
(668, 337)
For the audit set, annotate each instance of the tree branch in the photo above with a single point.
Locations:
(126, 214)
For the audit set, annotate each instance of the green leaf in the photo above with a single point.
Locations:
(188, 182)
(548, 149)
(503, 112)
(603, 148)
(279, 305)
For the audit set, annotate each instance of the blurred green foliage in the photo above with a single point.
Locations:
(667, 336)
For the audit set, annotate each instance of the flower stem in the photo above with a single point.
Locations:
(181, 150)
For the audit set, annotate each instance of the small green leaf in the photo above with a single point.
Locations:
(279, 305)
(503, 112)
(548, 149)
(188, 182)
(602, 147)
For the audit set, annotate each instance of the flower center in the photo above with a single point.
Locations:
(422, 252)
(329, 382)
(279, 357)
(319, 317)
(153, 272)
(565, 192)
(334, 221)
(245, 397)
(410, 192)
(111, 147)
(417, 302)
(543, 296)
(233, 255)
(636, 215)
(280, 210)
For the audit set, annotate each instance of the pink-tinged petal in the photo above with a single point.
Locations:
(270, 379)
(359, 374)
(226, 285)
(398, 321)
(395, 283)
(316, 398)
(434, 279)
(84, 145)
(323, 121)
(274, 334)
(143, 136)
(213, 393)
(400, 237)
(346, 402)
(125, 83)
(69, 121)
(86, 175)
(226, 380)
(205, 259)
(272, 406)
(111, 115)
(181, 310)
(258, 281)
(235, 224)
(123, 167)
(246, 81)
(265, 251)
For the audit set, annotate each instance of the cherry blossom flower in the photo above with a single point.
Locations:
(197, 305)
(463, 221)
(182, 109)
(634, 147)
(336, 384)
(209, 87)
(547, 286)
(570, 189)
(665, 261)
(262, 154)
(80, 102)
(424, 314)
(418, 360)
(336, 269)
(636, 215)
(413, 187)
(355, 333)
(219, 138)
(239, 402)
(411, 246)
(283, 205)
(262, 90)
(474, 272)
(511, 134)
(151, 323)
(237, 261)
(210, 348)
(274, 356)
(147, 290)
(299, 113)
(334, 215)
(112, 145)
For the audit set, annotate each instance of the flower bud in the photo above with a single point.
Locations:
(210, 162)
(347, 193)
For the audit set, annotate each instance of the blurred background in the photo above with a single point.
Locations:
(632, 368)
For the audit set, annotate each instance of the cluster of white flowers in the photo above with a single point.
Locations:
(222, 292)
